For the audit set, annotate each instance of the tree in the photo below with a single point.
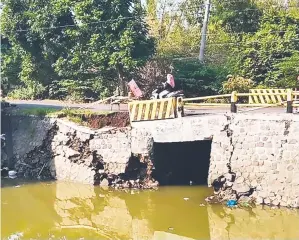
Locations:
(260, 56)
(119, 45)
(10, 65)
(175, 26)
(197, 79)
(237, 16)
(33, 29)
(79, 42)
(287, 72)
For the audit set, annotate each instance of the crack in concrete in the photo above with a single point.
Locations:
(229, 133)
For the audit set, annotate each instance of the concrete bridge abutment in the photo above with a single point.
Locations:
(262, 150)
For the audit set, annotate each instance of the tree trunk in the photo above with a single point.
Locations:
(122, 83)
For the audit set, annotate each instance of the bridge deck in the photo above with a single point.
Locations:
(22, 104)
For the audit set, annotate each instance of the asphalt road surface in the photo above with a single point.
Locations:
(25, 104)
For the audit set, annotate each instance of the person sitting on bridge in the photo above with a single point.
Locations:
(168, 86)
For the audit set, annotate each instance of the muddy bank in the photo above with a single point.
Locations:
(117, 119)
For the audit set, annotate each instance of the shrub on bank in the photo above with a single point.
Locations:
(237, 83)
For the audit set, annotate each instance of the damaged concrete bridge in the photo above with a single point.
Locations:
(262, 150)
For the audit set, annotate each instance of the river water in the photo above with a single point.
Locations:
(60, 210)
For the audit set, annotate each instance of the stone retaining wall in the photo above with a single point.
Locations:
(261, 150)
(47, 148)
(87, 156)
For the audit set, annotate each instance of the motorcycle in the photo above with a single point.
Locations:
(178, 93)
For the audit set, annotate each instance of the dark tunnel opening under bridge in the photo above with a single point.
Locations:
(182, 163)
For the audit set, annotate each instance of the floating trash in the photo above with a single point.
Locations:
(186, 198)
(15, 236)
(12, 174)
(17, 186)
(231, 203)
(170, 228)
(101, 195)
(202, 205)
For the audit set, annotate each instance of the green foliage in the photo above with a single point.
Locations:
(76, 119)
(270, 55)
(237, 16)
(177, 29)
(197, 79)
(10, 66)
(287, 72)
(73, 44)
(69, 113)
(31, 91)
(239, 84)
(41, 112)
(73, 50)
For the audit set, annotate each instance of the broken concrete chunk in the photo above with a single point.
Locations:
(70, 152)
(230, 177)
(241, 189)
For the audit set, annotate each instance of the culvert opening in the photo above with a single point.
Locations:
(180, 163)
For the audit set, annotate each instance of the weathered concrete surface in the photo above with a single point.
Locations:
(181, 129)
(262, 150)
(84, 155)
(53, 148)
(31, 145)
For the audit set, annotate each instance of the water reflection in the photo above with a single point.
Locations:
(73, 211)
(256, 223)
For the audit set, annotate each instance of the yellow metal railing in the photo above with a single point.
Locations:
(169, 108)
(256, 98)
(270, 96)
(155, 109)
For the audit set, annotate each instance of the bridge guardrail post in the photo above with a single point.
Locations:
(289, 101)
(233, 100)
(179, 107)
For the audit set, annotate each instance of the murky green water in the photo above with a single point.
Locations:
(72, 211)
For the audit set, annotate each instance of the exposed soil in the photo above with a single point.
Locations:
(117, 119)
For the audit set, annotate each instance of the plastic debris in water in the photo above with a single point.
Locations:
(17, 186)
(231, 203)
(15, 236)
(186, 198)
(2, 136)
(170, 228)
(202, 205)
(12, 174)
(191, 183)
(245, 204)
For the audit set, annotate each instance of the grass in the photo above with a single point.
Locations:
(71, 112)
(41, 112)
(73, 115)
(76, 119)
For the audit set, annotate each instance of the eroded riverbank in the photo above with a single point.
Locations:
(60, 210)
(261, 151)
